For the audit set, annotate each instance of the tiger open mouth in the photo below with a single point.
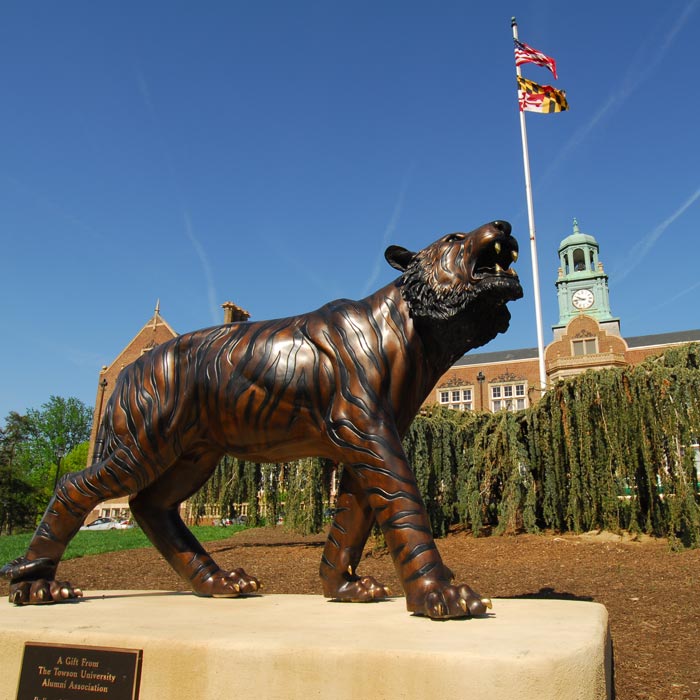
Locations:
(496, 255)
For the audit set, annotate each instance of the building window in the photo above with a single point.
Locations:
(584, 346)
(509, 397)
(458, 398)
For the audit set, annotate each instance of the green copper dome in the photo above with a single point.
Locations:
(577, 238)
(582, 285)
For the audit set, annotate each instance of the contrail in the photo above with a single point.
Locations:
(666, 302)
(206, 267)
(389, 231)
(54, 208)
(145, 91)
(167, 160)
(639, 70)
(650, 239)
(678, 296)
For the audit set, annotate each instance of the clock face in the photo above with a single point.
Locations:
(583, 299)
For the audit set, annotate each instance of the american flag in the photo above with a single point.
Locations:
(526, 54)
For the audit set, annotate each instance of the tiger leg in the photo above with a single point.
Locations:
(349, 531)
(32, 576)
(393, 494)
(156, 510)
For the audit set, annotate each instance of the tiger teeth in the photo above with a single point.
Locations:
(498, 268)
(497, 247)
(514, 255)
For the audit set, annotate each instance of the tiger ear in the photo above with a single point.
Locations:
(399, 257)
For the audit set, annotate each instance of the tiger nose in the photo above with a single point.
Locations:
(503, 226)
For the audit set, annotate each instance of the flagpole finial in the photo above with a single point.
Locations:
(513, 23)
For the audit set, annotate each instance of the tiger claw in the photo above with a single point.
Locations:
(227, 584)
(446, 601)
(358, 590)
(42, 592)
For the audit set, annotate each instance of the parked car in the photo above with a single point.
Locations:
(107, 524)
(237, 520)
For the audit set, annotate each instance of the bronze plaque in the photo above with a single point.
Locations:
(62, 672)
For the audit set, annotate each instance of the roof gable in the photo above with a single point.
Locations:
(155, 331)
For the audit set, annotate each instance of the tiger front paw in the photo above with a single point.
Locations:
(42, 592)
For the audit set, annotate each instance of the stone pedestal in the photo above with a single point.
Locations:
(287, 647)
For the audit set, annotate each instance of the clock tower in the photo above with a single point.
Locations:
(582, 285)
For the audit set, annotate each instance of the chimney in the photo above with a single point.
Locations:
(233, 313)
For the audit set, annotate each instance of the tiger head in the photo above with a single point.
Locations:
(461, 274)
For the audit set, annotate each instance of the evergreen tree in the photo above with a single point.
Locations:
(614, 449)
(18, 498)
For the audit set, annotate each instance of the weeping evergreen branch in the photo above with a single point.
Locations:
(610, 449)
(304, 502)
(270, 497)
(617, 448)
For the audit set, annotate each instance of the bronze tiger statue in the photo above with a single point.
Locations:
(343, 382)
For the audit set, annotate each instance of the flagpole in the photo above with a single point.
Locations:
(533, 244)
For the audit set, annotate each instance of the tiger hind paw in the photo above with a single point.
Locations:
(359, 589)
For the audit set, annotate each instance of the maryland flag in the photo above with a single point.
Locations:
(540, 98)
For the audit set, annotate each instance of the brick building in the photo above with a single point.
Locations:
(586, 336)
(492, 381)
(155, 331)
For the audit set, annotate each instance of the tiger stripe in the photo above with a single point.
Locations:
(341, 383)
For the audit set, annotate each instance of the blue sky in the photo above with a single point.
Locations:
(267, 153)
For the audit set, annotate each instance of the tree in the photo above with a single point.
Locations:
(58, 428)
(18, 503)
(35, 450)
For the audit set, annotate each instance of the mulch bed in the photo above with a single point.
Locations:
(652, 594)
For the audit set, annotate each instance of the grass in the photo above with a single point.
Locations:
(86, 543)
